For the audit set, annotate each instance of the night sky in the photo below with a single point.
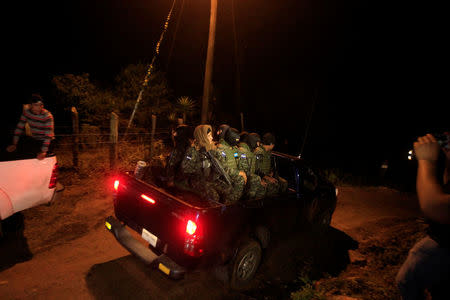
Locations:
(375, 69)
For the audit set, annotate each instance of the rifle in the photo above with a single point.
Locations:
(218, 167)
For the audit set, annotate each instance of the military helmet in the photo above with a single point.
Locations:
(232, 136)
(183, 135)
(252, 140)
(268, 139)
(222, 130)
(244, 137)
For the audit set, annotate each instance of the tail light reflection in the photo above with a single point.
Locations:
(148, 199)
(54, 177)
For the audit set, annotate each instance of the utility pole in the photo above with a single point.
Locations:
(209, 62)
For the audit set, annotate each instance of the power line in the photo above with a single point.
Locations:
(169, 57)
(150, 68)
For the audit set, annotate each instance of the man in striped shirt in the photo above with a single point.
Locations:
(40, 121)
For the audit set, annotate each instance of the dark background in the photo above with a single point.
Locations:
(370, 73)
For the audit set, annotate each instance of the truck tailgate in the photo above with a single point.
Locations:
(159, 217)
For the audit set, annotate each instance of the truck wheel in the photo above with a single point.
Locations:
(245, 264)
(325, 218)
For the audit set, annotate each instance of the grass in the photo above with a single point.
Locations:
(95, 159)
(308, 290)
(374, 279)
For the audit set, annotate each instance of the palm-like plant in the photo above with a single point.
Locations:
(186, 105)
(172, 117)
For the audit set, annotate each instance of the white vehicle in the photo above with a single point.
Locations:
(26, 183)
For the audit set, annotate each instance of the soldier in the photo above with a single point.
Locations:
(228, 153)
(182, 138)
(221, 132)
(264, 167)
(247, 163)
(200, 164)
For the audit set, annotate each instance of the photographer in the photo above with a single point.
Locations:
(427, 266)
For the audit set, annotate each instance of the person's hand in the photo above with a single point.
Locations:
(242, 173)
(427, 148)
(41, 155)
(11, 148)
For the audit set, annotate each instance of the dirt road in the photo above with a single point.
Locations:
(74, 257)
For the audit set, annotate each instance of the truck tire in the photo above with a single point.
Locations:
(324, 219)
(319, 216)
(245, 264)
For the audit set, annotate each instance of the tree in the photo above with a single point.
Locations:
(93, 104)
(186, 106)
(156, 96)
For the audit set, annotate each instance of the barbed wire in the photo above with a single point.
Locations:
(108, 134)
(100, 143)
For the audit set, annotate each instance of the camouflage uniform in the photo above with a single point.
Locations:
(264, 169)
(227, 155)
(173, 169)
(203, 178)
(247, 162)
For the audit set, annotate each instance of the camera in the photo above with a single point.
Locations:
(443, 140)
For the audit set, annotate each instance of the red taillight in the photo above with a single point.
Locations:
(191, 227)
(54, 177)
(147, 198)
(193, 242)
(116, 185)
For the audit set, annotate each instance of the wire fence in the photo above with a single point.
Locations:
(90, 145)
(105, 138)
(94, 149)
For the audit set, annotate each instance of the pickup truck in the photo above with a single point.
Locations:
(26, 182)
(185, 232)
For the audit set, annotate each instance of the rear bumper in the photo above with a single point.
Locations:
(162, 262)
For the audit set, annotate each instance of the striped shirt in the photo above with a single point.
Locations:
(41, 126)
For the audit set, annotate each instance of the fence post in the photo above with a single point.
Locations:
(27, 126)
(152, 138)
(113, 139)
(75, 136)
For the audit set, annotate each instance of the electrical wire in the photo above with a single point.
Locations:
(177, 25)
(150, 68)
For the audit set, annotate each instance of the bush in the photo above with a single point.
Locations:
(308, 291)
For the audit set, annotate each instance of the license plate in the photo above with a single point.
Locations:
(151, 238)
